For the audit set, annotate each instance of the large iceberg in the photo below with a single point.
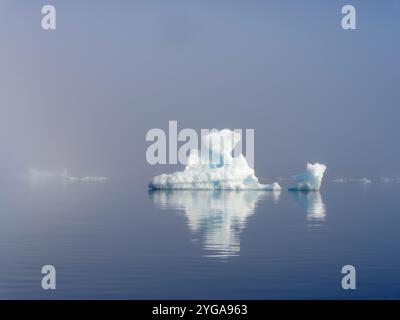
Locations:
(309, 180)
(214, 168)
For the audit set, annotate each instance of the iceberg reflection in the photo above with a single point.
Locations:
(215, 218)
(312, 204)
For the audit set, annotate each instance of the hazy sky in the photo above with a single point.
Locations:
(83, 96)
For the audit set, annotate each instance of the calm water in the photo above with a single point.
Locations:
(116, 240)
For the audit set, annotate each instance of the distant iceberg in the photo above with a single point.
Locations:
(214, 169)
(390, 180)
(362, 181)
(42, 176)
(39, 176)
(93, 179)
(311, 179)
(365, 181)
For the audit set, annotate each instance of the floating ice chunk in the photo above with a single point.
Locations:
(365, 181)
(66, 177)
(309, 180)
(93, 179)
(390, 180)
(39, 176)
(42, 176)
(215, 168)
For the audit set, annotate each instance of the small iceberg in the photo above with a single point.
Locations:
(311, 179)
(42, 176)
(214, 168)
(390, 180)
(362, 181)
(93, 179)
(365, 181)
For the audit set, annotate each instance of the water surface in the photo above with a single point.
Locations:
(118, 240)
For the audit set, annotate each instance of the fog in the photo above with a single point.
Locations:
(83, 96)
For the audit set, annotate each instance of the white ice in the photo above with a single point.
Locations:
(365, 181)
(93, 179)
(214, 169)
(38, 176)
(42, 176)
(362, 181)
(311, 179)
(390, 180)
